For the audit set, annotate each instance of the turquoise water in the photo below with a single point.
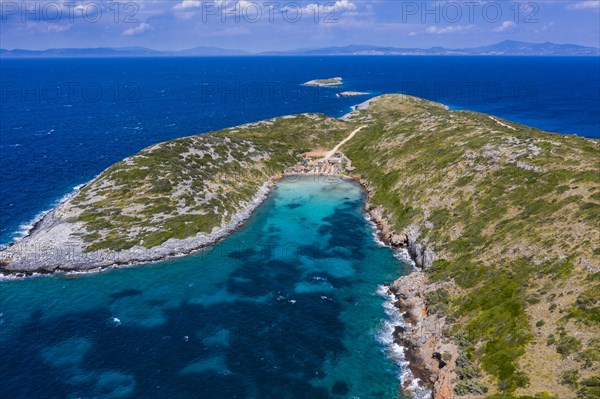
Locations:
(285, 308)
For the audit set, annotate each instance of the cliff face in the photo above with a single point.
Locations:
(506, 216)
(502, 218)
(431, 358)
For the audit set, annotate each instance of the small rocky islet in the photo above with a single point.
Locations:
(327, 82)
(352, 94)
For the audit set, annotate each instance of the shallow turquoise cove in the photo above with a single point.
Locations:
(285, 308)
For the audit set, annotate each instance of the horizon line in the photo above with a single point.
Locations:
(247, 52)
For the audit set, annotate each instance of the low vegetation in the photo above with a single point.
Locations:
(512, 214)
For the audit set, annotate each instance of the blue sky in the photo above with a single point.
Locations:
(278, 25)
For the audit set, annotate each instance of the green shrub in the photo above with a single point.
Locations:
(585, 310)
(533, 299)
(466, 274)
(462, 339)
(462, 360)
(498, 319)
(567, 345)
(469, 387)
(162, 186)
(468, 372)
(540, 323)
(591, 382)
(570, 377)
(439, 217)
(590, 388)
(464, 180)
(437, 301)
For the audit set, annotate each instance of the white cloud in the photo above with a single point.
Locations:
(412, 34)
(185, 15)
(223, 4)
(229, 31)
(547, 27)
(143, 27)
(185, 9)
(47, 27)
(187, 4)
(585, 5)
(57, 28)
(338, 6)
(506, 25)
(345, 5)
(448, 29)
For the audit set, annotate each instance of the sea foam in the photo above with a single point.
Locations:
(25, 228)
(395, 351)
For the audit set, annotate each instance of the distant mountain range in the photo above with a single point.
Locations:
(120, 52)
(508, 47)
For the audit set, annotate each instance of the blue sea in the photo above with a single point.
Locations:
(285, 308)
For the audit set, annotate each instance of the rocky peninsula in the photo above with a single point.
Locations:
(500, 220)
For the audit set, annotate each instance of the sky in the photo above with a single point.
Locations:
(256, 26)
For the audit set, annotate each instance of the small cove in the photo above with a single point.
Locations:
(287, 307)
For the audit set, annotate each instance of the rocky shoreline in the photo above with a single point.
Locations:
(38, 252)
(43, 250)
(423, 343)
(422, 255)
(430, 359)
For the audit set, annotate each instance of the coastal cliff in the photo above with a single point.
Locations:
(499, 218)
(501, 221)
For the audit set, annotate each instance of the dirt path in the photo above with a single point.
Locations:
(341, 143)
(502, 123)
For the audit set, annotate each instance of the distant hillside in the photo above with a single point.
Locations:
(507, 48)
(121, 52)
(510, 47)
